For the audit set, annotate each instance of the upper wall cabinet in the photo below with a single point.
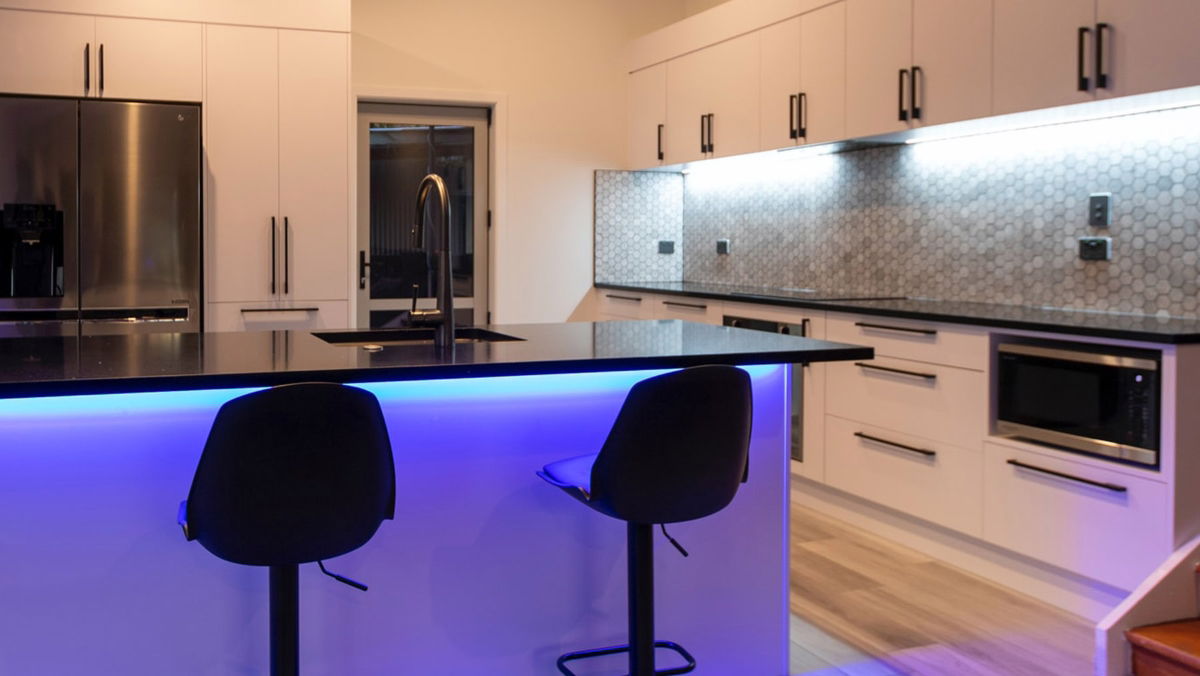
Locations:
(1146, 45)
(712, 101)
(803, 69)
(647, 116)
(74, 55)
(916, 62)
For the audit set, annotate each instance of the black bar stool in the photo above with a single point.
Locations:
(290, 475)
(677, 451)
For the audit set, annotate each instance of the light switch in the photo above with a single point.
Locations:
(723, 247)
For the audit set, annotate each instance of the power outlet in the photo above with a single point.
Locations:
(1095, 248)
(723, 247)
(666, 246)
(1100, 209)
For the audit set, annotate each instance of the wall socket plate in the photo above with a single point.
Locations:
(1095, 248)
(1100, 209)
(723, 247)
(666, 246)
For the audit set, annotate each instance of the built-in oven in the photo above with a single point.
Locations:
(1095, 399)
(797, 394)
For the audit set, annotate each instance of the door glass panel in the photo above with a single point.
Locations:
(402, 145)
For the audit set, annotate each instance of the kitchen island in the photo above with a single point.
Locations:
(484, 570)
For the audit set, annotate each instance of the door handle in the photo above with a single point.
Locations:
(793, 113)
(1079, 58)
(274, 247)
(660, 150)
(895, 444)
(1116, 488)
(914, 99)
(903, 114)
(802, 132)
(1101, 76)
(362, 269)
(87, 68)
(703, 142)
(100, 61)
(287, 253)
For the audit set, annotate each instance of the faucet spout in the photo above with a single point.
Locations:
(443, 317)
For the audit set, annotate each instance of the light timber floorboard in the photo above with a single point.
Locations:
(864, 606)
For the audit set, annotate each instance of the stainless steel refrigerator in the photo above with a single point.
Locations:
(100, 219)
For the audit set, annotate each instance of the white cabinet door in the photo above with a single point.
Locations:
(314, 109)
(702, 310)
(241, 145)
(823, 74)
(1037, 58)
(156, 60)
(647, 116)
(878, 56)
(44, 53)
(721, 82)
(266, 317)
(1150, 45)
(779, 105)
(952, 47)
(620, 304)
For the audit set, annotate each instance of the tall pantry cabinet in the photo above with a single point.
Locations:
(276, 141)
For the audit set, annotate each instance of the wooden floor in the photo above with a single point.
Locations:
(863, 606)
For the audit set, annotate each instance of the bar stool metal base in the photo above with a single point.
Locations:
(285, 620)
(613, 650)
(639, 539)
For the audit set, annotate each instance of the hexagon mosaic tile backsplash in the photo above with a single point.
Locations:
(991, 218)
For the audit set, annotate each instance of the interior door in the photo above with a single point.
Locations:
(397, 146)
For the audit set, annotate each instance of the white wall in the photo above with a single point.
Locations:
(561, 66)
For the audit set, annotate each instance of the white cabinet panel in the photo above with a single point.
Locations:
(314, 103)
(1151, 45)
(647, 116)
(878, 47)
(43, 53)
(913, 339)
(242, 150)
(157, 60)
(942, 403)
(930, 480)
(617, 304)
(267, 317)
(823, 73)
(952, 46)
(700, 310)
(1116, 532)
(778, 101)
(1036, 53)
(720, 81)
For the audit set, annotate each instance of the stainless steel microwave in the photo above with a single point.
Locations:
(1093, 399)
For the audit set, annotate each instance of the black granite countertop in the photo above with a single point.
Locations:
(1120, 326)
(48, 366)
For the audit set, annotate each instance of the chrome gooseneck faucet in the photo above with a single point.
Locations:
(443, 317)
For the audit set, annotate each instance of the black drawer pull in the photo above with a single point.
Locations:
(695, 306)
(902, 329)
(1070, 477)
(904, 447)
(915, 374)
(616, 297)
(279, 309)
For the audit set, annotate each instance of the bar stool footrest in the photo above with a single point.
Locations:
(613, 650)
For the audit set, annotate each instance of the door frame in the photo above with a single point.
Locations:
(497, 103)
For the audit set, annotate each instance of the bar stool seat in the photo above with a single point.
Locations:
(677, 451)
(291, 475)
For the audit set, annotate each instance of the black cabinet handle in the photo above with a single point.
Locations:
(802, 132)
(793, 113)
(709, 126)
(1116, 488)
(247, 310)
(362, 269)
(895, 444)
(274, 247)
(1101, 76)
(616, 297)
(695, 306)
(703, 138)
(87, 67)
(903, 116)
(287, 253)
(902, 329)
(100, 62)
(914, 98)
(1083, 80)
(660, 150)
(804, 324)
(915, 374)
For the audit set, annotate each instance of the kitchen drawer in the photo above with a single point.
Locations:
(265, 317)
(775, 313)
(911, 339)
(1100, 531)
(623, 305)
(942, 403)
(929, 480)
(701, 310)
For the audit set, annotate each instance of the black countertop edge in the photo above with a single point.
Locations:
(1119, 326)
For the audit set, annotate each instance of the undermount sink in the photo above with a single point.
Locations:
(383, 337)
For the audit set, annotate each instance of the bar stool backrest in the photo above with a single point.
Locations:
(678, 449)
(293, 474)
